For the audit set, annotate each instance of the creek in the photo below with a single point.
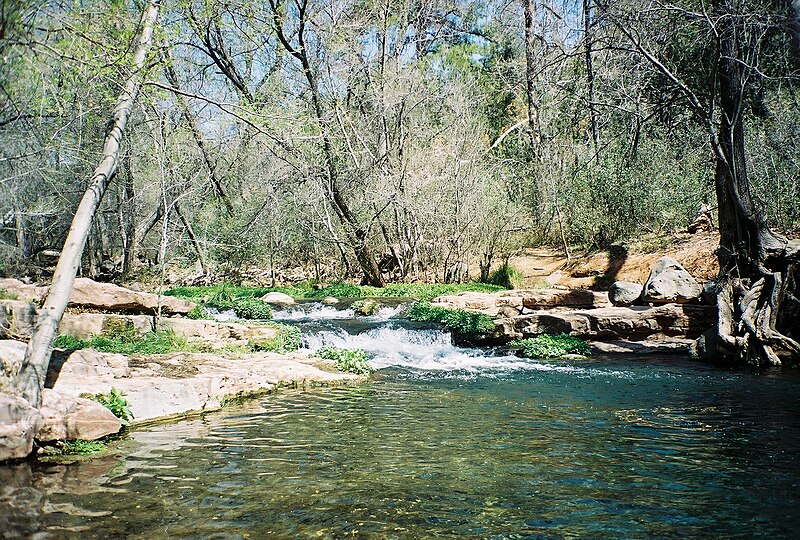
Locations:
(446, 442)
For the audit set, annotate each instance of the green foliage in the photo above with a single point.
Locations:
(456, 320)
(115, 402)
(225, 295)
(74, 448)
(198, 313)
(289, 339)
(7, 295)
(507, 277)
(365, 307)
(160, 342)
(251, 308)
(348, 360)
(550, 346)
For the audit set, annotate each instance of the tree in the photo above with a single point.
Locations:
(758, 293)
(33, 371)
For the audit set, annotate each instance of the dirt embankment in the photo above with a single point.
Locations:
(624, 262)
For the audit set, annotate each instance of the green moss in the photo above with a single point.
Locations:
(347, 360)
(457, 320)
(289, 339)
(550, 346)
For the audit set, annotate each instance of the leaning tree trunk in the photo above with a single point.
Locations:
(30, 379)
(757, 286)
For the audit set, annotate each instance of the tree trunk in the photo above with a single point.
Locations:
(30, 379)
(529, 9)
(587, 41)
(756, 268)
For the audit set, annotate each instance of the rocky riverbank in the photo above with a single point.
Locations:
(156, 386)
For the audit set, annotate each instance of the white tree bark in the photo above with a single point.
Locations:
(30, 379)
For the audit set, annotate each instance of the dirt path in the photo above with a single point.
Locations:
(629, 262)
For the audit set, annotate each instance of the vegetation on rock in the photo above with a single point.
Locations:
(550, 346)
(457, 320)
(115, 402)
(288, 339)
(347, 360)
(129, 343)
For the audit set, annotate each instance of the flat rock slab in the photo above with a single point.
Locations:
(107, 296)
(614, 323)
(534, 299)
(161, 386)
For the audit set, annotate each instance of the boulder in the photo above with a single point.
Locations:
(561, 298)
(508, 311)
(11, 355)
(107, 296)
(278, 298)
(87, 325)
(19, 424)
(66, 417)
(218, 334)
(112, 297)
(366, 308)
(330, 301)
(624, 293)
(614, 323)
(17, 319)
(669, 282)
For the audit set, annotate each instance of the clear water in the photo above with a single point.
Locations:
(449, 443)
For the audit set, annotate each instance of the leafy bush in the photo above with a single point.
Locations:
(289, 339)
(198, 313)
(115, 402)
(457, 320)
(365, 307)
(251, 308)
(348, 360)
(550, 346)
(507, 277)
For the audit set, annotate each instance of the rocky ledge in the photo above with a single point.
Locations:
(666, 314)
(155, 386)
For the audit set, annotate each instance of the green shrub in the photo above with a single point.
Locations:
(348, 360)
(550, 346)
(198, 313)
(69, 343)
(289, 339)
(251, 308)
(457, 320)
(507, 277)
(365, 307)
(115, 402)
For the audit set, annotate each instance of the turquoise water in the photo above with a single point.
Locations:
(606, 449)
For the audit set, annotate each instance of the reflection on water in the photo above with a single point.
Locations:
(625, 450)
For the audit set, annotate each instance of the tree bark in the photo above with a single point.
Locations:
(30, 379)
